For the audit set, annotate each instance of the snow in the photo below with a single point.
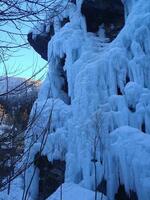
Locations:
(74, 192)
(16, 191)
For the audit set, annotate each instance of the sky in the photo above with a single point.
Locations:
(24, 61)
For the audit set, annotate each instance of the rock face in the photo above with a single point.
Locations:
(51, 175)
(97, 12)
(40, 42)
(121, 194)
(107, 12)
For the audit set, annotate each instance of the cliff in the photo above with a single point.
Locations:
(93, 107)
(100, 123)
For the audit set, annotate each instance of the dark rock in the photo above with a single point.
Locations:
(73, 1)
(63, 75)
(143, 128)
(65, 21)
(105, 12)
(63, 78)
(51, 175)
(102, 187)
(127, 79)
(94, 160)
(122, 195)
(132, 109)
(40, 42)
(119, 91)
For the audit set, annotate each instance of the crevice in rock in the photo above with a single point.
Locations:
(108, 12)
(119, 91)
(132, 109)
(143, 128)
(65, 21)
(73, 1)
(102, 187)
(65, 85)
(122, 195)
(127, 79)
(63, 76)
(51, 175)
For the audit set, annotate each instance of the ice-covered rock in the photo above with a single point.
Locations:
(92, 90)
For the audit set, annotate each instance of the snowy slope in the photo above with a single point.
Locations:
(109, 88)
(74, 192)
(16, 191)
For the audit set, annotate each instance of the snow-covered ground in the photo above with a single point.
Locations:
(16, 191)
(73, 191)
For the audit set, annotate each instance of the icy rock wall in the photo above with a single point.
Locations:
(109, 88)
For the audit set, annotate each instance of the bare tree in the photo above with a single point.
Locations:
(14, 16)
(98, 143)
(25, 12)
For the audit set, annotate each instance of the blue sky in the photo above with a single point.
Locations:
(24, 63)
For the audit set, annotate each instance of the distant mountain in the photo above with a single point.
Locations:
(17, 96)
(15, 91)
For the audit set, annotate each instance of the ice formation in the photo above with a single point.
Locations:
(102, 120)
